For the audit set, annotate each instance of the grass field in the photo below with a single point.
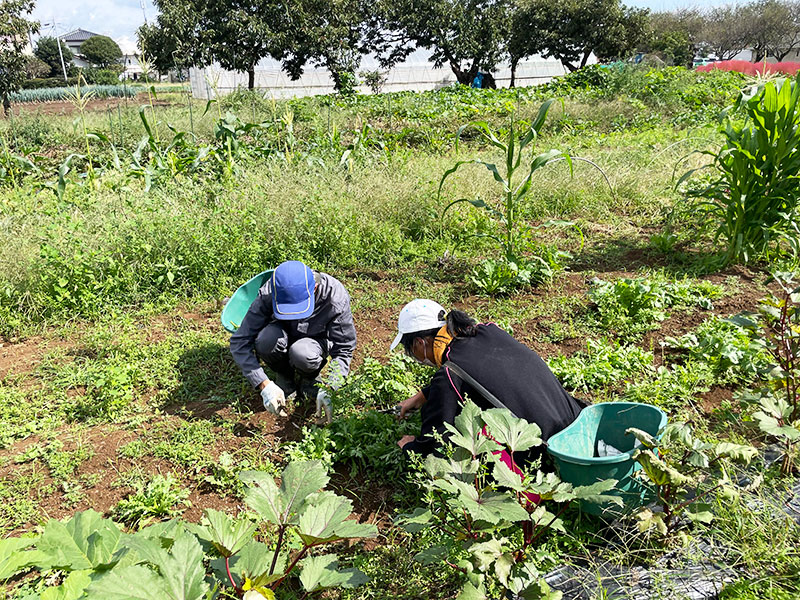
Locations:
(123, 229)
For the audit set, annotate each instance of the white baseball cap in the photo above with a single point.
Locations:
(418, 315)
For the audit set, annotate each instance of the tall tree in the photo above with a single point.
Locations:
(14, 31)
(243, 32)
(726, 32)
(101, 51)
(47, 51)
(334, 34)
(676, 35)
(236, 33)
(467, 35)
(571, 30)
(772, 28)
(790, 39)
(177, 38)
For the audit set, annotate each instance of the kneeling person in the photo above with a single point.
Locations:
(513, 374)
(298, 320)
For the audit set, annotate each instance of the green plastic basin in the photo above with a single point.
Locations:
(240, 302)
(574, 451)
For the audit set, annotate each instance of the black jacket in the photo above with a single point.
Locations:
(511, 371)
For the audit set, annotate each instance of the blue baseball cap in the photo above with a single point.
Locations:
(292, 291)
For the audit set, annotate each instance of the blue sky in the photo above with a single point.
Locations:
(121, 18)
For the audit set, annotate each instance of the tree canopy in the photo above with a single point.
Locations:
(101, 51)
(571, 30)
(14, 30)
(467, 35)
(47, 51)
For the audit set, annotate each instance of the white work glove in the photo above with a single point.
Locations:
(324, 403)
(274, 399)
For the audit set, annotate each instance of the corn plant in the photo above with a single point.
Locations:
(755, 188)
(486, 509)
(175, 560)
(515, 178)
(154, 162)
(80, 97)
(682, 474)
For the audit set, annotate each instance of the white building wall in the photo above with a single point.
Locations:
(416, 76)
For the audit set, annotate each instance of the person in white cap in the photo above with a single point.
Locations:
(512, 374)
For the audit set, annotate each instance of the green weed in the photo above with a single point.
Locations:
(160, 497)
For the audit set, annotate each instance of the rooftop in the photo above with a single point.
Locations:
(79, 35)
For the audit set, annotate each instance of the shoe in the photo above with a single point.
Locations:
(286, 384)
(308, 390)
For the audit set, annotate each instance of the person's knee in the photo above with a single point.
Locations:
(271, 341)
(306, 356)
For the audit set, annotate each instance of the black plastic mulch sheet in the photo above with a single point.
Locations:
(698, 573)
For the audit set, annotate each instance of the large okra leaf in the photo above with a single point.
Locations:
(320, 572)
(72, 588)
(325, 520)
(491, 507)
(86, 541)
(14, 557)
(181, 568)
(134, 582)
(596, 492)
(280, 505)
(658, 471)
(466, 431)
(226, 534)
(515, 433)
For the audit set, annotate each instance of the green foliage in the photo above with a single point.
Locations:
(378, 385)
(683, 472)
(753, 194)
(159, 498)
(466, 36)
(632, 306)
(167, 560)
(733, 354)
(505, 209)
(101, 51)
(47, 51)
(603, 363)
(366, 443)
(14, 31)
(778, 319)
(571, 31)
(53, 94)
(486, 515)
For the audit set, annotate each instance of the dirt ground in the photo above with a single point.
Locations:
(373, 502)
(62, 107)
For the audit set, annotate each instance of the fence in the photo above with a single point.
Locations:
(418, 77)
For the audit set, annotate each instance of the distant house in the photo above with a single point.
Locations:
(130, 59)
(73, 40)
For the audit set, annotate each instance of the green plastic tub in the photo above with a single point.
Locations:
(240, 302)
(574, 450)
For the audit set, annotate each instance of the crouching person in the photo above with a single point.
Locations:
(299, 319)
(480, 361)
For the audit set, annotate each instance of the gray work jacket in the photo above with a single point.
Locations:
(331, 321)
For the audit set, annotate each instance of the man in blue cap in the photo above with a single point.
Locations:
(298, 320)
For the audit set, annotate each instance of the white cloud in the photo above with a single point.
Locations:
(114, 18)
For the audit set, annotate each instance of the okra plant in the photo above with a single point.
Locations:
(490, 514)
(778, 320)
(683, 474)
(90, 557)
